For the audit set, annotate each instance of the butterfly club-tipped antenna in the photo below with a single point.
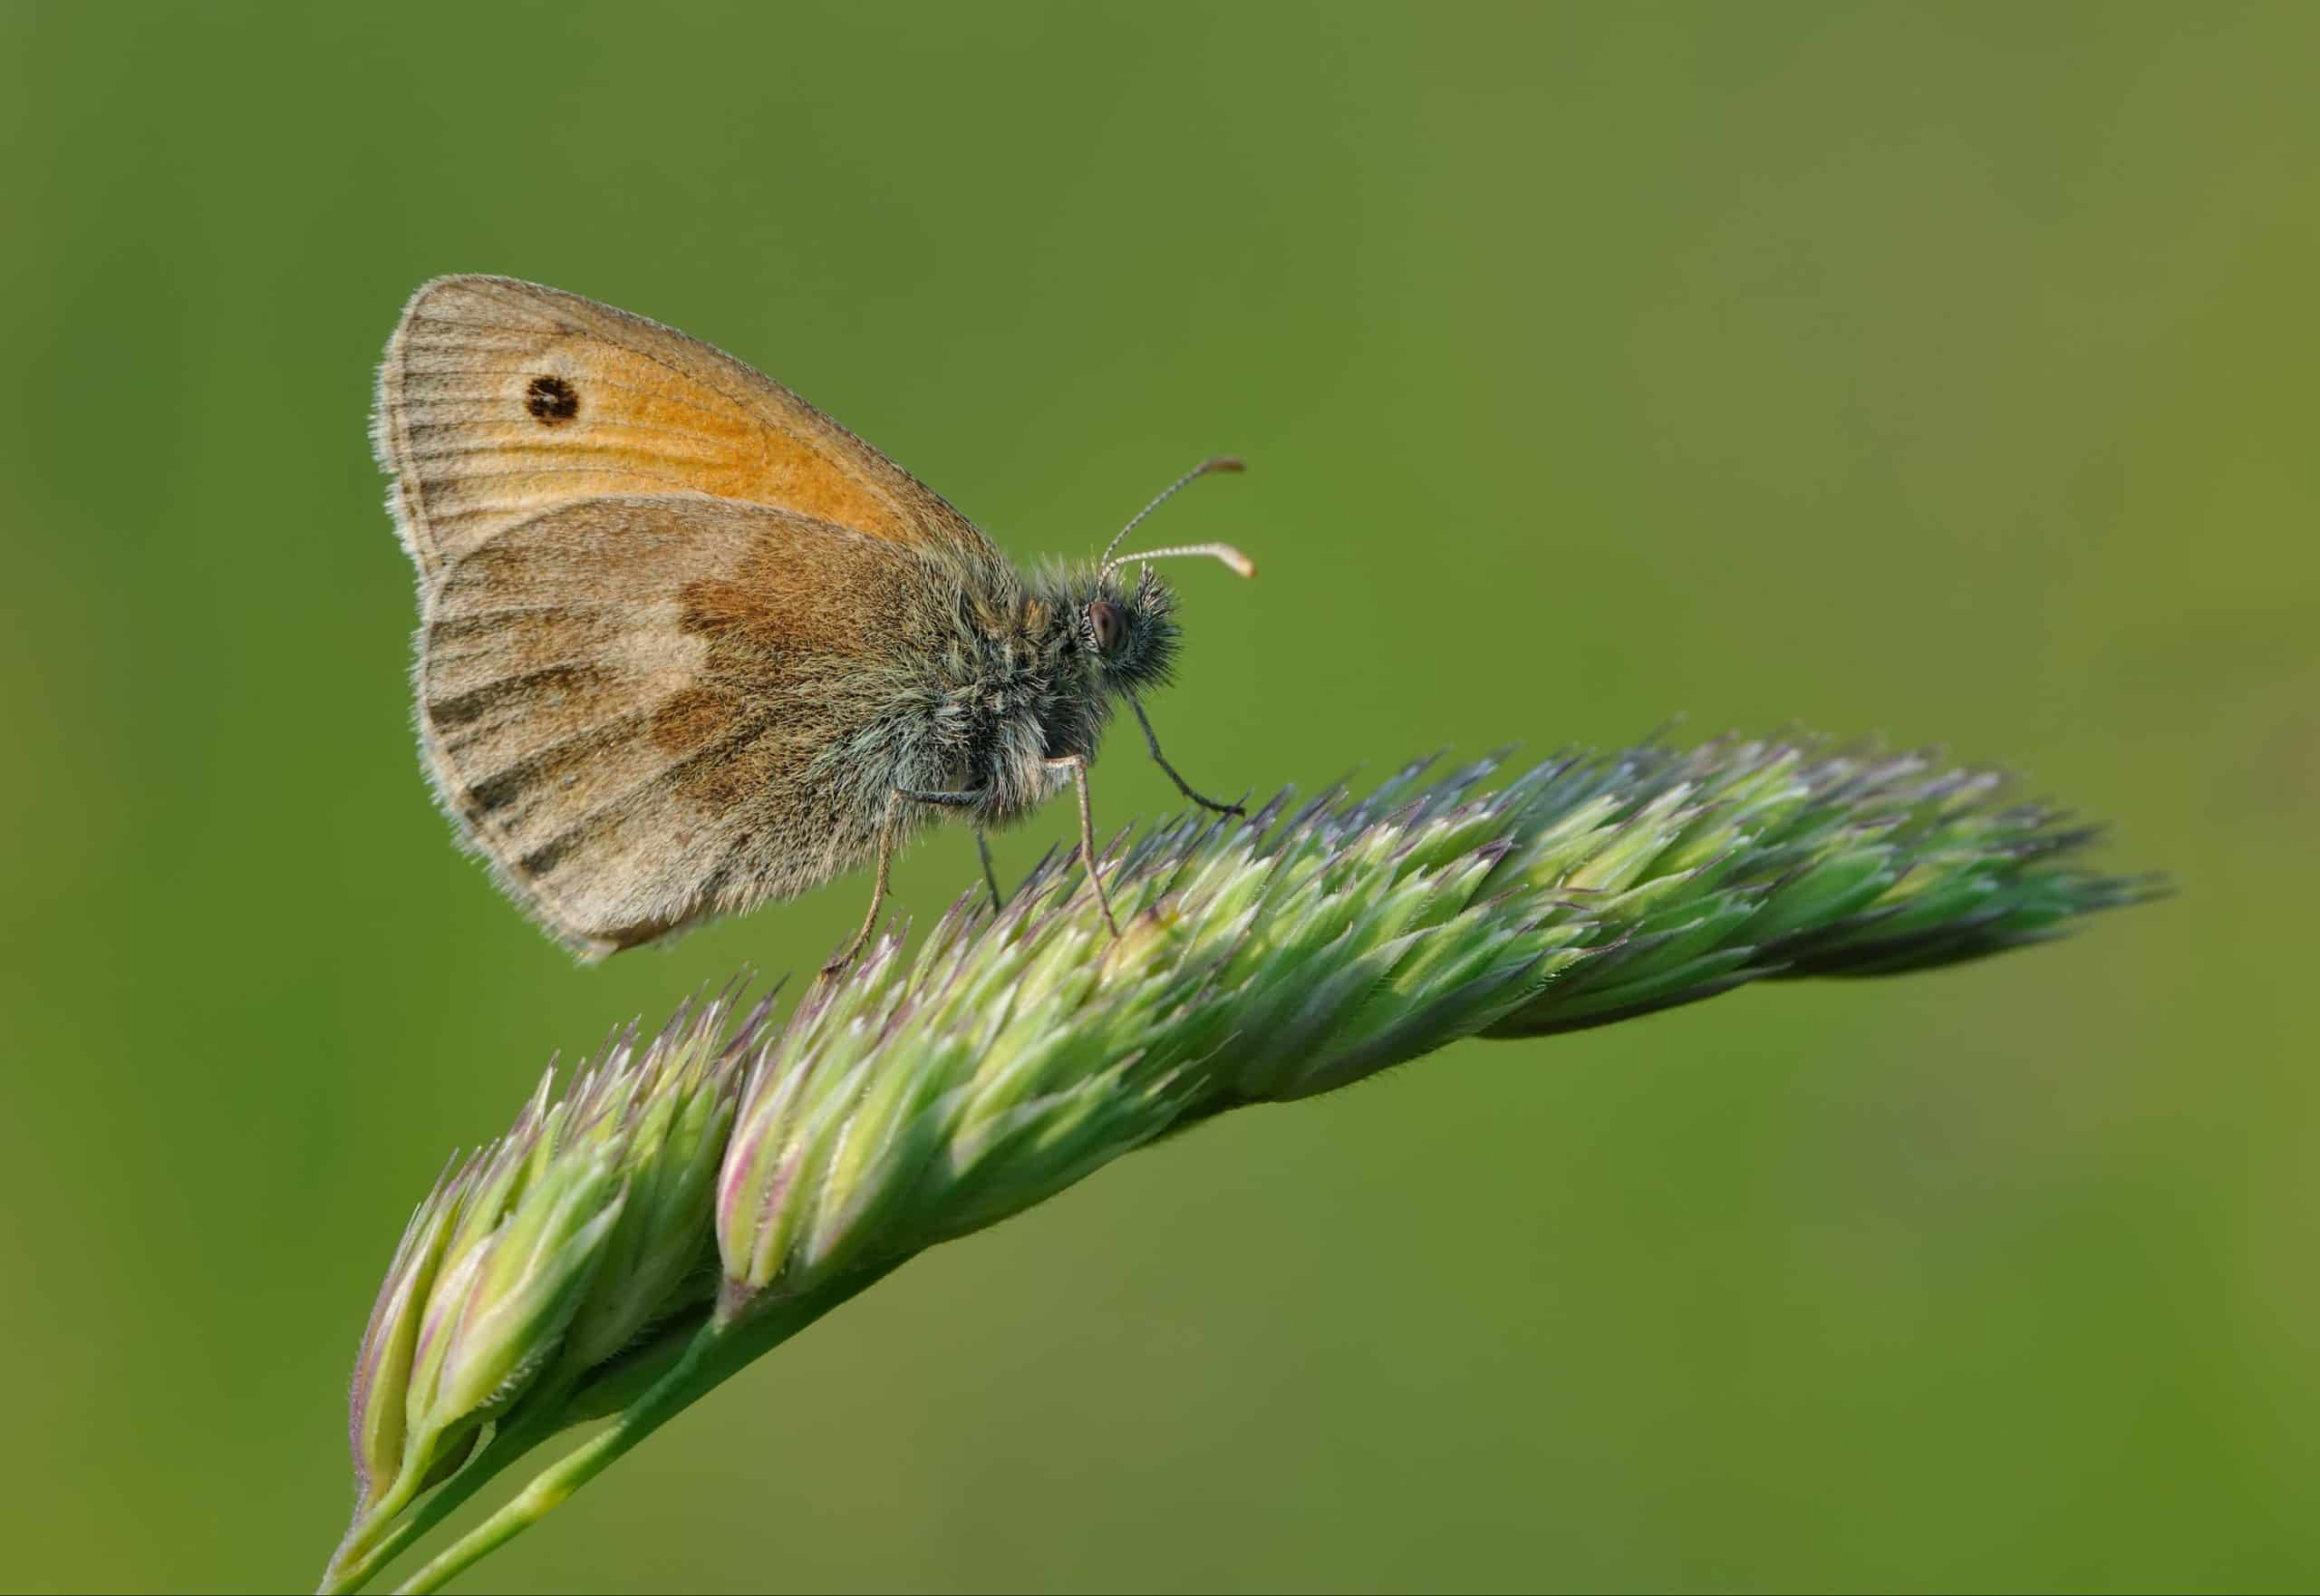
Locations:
(1241, 564)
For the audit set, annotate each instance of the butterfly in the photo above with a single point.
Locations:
(686, 644)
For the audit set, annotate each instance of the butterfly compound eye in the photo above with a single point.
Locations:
(1106, 625)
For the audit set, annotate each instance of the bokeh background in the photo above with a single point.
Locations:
(1939, 372)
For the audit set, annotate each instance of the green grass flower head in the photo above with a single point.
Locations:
(687, 1206)
(547, 1254)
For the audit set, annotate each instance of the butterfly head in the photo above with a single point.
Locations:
(1125, 630)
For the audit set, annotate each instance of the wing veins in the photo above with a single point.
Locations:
(616, 807)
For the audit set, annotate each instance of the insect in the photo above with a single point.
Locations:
(686, 644)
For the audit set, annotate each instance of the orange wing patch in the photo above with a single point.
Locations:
(499, 399)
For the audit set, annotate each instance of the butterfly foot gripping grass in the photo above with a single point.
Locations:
(691, 1201)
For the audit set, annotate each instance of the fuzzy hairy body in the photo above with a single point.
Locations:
(687, 645)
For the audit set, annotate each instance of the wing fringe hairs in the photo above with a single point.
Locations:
(696, 1197)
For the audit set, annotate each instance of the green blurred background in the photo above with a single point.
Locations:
(1939, 372)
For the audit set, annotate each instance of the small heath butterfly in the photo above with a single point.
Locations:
(687, 644)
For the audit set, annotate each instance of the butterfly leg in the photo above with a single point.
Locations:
(1078, 765)
(990, 875)
(961, 801)
(886, 834)
(1152, 741)
(949, 800)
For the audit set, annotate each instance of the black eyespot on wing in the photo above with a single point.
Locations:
(551, 400)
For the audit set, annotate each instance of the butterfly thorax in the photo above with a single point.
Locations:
(1032, 679)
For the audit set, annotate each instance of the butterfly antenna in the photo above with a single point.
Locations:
(1241, 564)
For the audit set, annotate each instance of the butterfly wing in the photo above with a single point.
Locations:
(499, 399)
(647, 710)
